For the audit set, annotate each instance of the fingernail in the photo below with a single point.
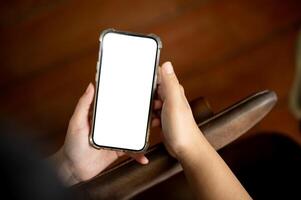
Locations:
(168, 68)
(88, 88)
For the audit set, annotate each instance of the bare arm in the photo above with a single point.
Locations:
(207, 173)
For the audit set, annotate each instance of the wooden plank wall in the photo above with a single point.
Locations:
(223, 50)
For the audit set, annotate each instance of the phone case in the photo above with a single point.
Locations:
(158, 40)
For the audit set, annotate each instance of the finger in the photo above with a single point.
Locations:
(169, 83)
(157, 104)
(156, 122)
(80, 116)
(140, 158)
(159, 92)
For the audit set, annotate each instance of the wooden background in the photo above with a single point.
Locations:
(223, 50)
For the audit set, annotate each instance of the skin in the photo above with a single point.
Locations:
(207, 173)
(77, 160)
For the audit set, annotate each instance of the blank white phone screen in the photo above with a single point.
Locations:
(127, 68)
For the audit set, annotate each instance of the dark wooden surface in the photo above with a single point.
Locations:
(223, 50)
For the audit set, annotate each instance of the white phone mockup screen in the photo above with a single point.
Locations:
(125, 83)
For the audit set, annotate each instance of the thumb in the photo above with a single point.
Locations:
(169, 84)
(80, 117)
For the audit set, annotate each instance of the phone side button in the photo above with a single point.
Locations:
(97, 69)
(155, 80)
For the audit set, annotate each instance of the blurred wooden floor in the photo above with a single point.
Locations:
(223, 50)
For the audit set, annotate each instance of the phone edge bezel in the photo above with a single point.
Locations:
(154, 85)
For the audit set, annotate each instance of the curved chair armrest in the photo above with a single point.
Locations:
(130, 178)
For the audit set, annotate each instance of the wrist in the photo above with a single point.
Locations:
(63, 168)
(197, 146)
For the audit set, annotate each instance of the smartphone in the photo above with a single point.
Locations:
(125, 85)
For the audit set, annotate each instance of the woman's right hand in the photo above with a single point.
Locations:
(180, 130)
(184, 140)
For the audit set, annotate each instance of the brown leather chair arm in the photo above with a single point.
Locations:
(130, 178)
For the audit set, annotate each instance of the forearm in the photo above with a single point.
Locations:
(208, 174)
